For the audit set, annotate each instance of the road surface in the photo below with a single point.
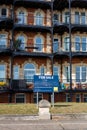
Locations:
(42, 125)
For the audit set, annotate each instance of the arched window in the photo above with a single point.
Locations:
(55, 45)
(2, 72)
(21, 17)
(77, 43)
(66, 43)
(39, 43)
(22, 39)
(16, 72)
(29, 72)
(39, 18)
(3, 41)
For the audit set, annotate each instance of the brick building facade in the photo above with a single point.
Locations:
(43, 37)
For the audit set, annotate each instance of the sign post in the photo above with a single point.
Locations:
(46, 84)
(37, 99)
(53, 99)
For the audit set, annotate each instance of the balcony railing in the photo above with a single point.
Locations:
(22, 84)
(75, 19)
(77, 84)
(39, 48)
(5, 43)
(6, 17)
(4, 84)
(35, 0)
(47, 48)
(75, 47)
(25, 84)
(32, 20)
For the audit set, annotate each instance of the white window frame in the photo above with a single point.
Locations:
(66, 43)
(3, 39)
(39, 18)
(42, 70)
(21, 16)
(55, 45)
(55, 18)
(40, 97)
(80, 74)
(84, 42)
(2, 72)
(68, 98)
(23, 41)
(66, 17)
(16, 73)
(67, 73)
(30, 80)
(37, 44)
(57, 71)
(77, 17)
(77, 43)
(78, 96)
(19, 97)
(83, 18)
(85, 97)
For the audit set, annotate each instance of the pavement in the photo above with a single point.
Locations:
(32, 122)
(42, 125)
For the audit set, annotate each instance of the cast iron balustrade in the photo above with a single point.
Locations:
(18, 84)
(77, 84)
(35, 0)
(34, 47)
(78, 47)
(32, 20)
(22, 84)
(76, 19)
(5, 44)
(4, 84)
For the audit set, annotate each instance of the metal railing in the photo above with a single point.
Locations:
(35, 0)
(32, 20)
(77, 84)
(4, 84)
(39, 48)
(47, 48)
(64, 84)
(5, 43)
(75, 19)
(75, 47)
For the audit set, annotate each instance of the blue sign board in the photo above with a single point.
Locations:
(46, 83)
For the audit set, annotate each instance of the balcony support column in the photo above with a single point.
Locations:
(52, 24)
(11, 66)
(70, 52)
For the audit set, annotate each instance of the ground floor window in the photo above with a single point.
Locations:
(85, 97)
(68, 99)
(20, 98)
(78, 98)
(40, 97)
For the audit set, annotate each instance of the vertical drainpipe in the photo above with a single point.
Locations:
(52, 32)
(11, 63)
(51, 57)
(70, 52)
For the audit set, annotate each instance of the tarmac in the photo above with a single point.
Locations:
(58, 117)
(32, 122)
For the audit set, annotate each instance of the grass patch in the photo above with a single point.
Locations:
(18, 109)
(29, 109)
(66, 108)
